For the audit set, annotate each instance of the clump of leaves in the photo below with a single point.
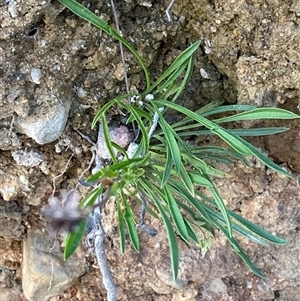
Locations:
(166, 174)
(169, 172)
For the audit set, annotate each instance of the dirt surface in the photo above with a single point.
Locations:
(56, 71)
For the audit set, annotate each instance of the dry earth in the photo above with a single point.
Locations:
(56, 71)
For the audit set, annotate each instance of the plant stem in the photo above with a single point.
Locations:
(121, 45)
(103, 263)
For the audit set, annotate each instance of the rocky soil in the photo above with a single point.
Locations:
(56, 71)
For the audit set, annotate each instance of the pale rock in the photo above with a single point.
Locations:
(12, 8)
(45, 127)
(37, 272)
(35, 75)
(188, 294)
(28, 157)
(118, 134)
(218, 286)
(167, 279)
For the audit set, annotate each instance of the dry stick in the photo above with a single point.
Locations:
(168, 10)
(88, 168)
(122, 53)
(142, 224)
(58, 176)
(121, 45)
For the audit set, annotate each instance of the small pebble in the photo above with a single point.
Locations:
(36, 75)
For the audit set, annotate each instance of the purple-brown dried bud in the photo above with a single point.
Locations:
(64, 215)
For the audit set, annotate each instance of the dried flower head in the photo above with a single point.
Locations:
(64, 215)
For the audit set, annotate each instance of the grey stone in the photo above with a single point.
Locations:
(45, 127)
(28, 158)
(218, 286)
(44, 273)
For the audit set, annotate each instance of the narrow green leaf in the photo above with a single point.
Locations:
(141, 113)
(191, 232)
(120, 149)
(222, 208)
(239, 251)
(228, 108)
(239, 132)
(200, 180)
(200, 222)
(108, 138)
(258, 230)
(174, 252)
(142, 127)
(91, 197)
(171, 142)
(102, 111)
(258, 154)
(171, 90)
(195, 216)
(200, 111)
(167, 168)
(113, 169)
(236, 227)
(181, 191)
(87, 15)
(219, 159)
(254, 230)
(258, 131)
(181, 59)
(131, 225)
(201, 151)
(176, 215)
(121, 227)
(187, 76)
(73, 239)
(260, 113)
(232, 141)
(170, 86)
(186, 179)
(222, 133)
(202, 166)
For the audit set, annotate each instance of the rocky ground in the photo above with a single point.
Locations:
(56, 71)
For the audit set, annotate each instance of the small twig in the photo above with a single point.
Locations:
(98, 160)
(122, 53)
(87, 169)
(168, 10)
(142, 225)
(58, 176)
(121, 45)
(86, 138)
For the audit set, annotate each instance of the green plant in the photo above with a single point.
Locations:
(166, 174)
